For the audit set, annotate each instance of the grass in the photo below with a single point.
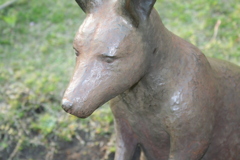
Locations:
(37, 60)
(196, 21)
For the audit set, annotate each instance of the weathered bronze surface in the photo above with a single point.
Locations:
(167, 97)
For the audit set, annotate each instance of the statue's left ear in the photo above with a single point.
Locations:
(139, 9)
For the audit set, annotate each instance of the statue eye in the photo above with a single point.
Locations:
(108, 59)
(76, 51)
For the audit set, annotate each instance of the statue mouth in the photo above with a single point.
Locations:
(78, 109)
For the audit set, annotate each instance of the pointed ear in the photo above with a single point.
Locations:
(139, 9)
(88, 6)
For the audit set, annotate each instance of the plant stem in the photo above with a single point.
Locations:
(7, 4)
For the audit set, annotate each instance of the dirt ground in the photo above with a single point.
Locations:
(77, 149)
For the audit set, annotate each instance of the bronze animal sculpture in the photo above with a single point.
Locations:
(167, 98)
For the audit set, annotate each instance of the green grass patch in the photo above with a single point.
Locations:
(37, 60)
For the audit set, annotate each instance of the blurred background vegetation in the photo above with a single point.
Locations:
(37, 60)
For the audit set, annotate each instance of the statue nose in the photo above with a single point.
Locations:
(66, 104)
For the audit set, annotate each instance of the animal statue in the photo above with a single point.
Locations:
(169, 101)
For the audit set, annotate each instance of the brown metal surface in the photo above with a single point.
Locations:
(167, 97)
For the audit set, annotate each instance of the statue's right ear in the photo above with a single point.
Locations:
(89, 6)
(139, 9)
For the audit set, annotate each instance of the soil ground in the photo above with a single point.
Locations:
(77, 149)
